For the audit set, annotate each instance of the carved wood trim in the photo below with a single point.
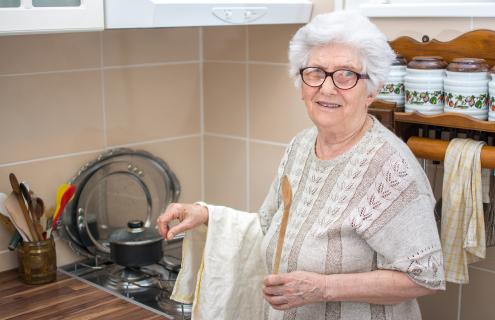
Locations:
(474, 44)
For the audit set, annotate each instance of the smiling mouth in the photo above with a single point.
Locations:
(328, 105)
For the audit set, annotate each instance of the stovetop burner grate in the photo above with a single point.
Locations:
(125, 279)
(149, 287)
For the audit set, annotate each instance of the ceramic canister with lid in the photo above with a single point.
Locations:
(466, 87)
(393, 89)
(424, 85)
(491, 93)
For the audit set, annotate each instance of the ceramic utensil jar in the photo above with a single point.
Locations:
(424, 85)
(466, 87)
(491, 93)
(393, 90)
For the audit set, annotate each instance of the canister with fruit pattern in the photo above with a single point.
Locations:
(423, 85)
(393, 89)
(466, 87)
(491, 93)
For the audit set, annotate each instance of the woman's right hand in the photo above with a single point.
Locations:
(189, 216)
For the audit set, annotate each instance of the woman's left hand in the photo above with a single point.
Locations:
(290, 290)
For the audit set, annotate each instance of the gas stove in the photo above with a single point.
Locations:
(149, 287)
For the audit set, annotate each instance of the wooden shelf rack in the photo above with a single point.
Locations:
(478, 44)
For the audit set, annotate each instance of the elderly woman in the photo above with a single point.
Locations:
(361, 241)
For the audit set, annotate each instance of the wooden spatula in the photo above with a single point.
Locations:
(287, 198)
(24, 210)
(15, 212)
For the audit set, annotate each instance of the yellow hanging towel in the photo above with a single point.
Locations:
(462, 224)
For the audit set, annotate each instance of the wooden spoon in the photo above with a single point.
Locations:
(287, 198)
(38, 208)
(27, 196)
(17, 193)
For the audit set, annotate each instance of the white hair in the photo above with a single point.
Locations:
(349, 28)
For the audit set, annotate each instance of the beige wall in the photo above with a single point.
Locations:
(64, 98)
(215, 103)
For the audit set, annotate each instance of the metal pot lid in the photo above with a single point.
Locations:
(118, 186)
(135, 234)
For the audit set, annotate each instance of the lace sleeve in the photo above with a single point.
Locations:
(409, 242)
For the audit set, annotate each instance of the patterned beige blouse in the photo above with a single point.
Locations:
(370, 208)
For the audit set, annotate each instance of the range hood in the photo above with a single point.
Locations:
(186, 13)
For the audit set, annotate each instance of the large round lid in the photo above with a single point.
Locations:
(468, 65)
(119, 186)
(427, 62)
(134, 234)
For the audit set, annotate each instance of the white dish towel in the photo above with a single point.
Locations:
(222, 267)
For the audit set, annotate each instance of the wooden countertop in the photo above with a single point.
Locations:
(66, 299)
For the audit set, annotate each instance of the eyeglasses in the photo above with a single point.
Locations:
(343, 79)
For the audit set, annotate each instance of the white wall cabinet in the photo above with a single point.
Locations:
(420, 8)
(42, 16)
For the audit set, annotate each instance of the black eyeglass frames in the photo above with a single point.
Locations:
(342, 78)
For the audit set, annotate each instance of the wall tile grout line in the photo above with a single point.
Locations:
(268, 63)
(49, 72)
(80, 153)
(60, 156)
(459, 300)
(202, 116)
(266, 142)
(270, 143)
(248, 120)
(148, 65)
(130, 66)
(103, 94)
(482, 269)
(134, 144)
(225, 61)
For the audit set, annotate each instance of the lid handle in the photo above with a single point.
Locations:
(135, 226)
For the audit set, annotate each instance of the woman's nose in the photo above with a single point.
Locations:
(328, 87)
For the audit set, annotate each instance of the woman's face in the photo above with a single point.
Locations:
(332, 109)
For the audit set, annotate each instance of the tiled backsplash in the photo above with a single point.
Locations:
(67, 97)
(215, 103)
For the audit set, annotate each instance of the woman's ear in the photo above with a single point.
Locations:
(370, 98)
(372, 95)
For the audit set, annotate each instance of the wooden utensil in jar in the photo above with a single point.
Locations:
(287, 199)
(17, 193)
(17, 218)
(27, 196)
(4, 215)
(17, 236)
(39, 211)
